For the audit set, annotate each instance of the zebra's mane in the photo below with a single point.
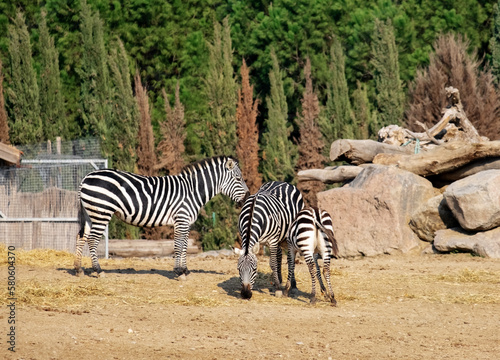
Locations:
(249, 230)
(194, 166)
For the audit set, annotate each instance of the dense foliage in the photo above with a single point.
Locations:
(68, 73)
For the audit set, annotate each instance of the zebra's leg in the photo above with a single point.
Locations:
(318, 273)
(181, 234)
(310, 264)
(290, 284)
(279, 258)
(330, 296)
(274, 267)
(80, 243)
(96, 231)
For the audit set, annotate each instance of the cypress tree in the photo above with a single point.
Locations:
(23, 95)
(279, 154)
(362, 114)
(51, 99)
(124, 110)
(95, 90)
(311, 142)
(248, 132)
(495, 44)
(337, 121)
(4, 120)
(221, 89)
(390, 95)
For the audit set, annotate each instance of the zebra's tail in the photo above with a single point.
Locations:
(329, 235)
(83, 219)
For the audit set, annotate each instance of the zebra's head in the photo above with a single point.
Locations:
(247, 267)
(233, 185)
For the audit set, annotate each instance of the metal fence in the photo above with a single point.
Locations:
(39, 200)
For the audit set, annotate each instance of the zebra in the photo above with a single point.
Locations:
(311, 234)
(149, 201)
(265, 219)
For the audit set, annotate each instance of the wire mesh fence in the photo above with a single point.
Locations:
(39, 200)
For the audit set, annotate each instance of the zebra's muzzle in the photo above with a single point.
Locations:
(246, 291)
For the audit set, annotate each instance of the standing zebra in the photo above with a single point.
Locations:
(265, 218)
(150, 201)
(311, 234)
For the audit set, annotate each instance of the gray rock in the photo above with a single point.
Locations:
(371, 215)
(475, 200)
(485, 243)
(431, 216)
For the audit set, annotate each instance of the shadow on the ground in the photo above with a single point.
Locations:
(170, 274)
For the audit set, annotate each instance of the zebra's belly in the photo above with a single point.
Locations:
(144, 222)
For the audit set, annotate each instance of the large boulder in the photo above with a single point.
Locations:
(475, 200)
(486, 243)
(371, 215)
(431, 216)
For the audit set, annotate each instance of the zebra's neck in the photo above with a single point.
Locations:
(203, 183)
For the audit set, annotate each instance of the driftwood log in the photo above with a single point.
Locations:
(470, 169)
(444, 158)
(336, 174)
(363, 151)
(140, 248)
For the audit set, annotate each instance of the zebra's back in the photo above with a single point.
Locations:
(136, 199)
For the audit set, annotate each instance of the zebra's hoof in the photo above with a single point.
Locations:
(182, 277)
(278, 293)
(79, 272)
(314, 301)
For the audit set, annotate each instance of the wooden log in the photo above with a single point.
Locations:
(444, 158)
(363, 151)
(10, 154)
(470, 169)
(142, 248)
(337, 174)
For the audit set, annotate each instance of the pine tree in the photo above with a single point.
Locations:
(221, 89)
(279, 154)
(146, 157)
(495, 44)
(390, 95)
(248, 132)
(311, 143)
(337, 121)
(23, 95)
(124, 120)
(51, 98)
(173, 131)
(4, 120)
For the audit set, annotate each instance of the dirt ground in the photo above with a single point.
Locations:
(389, 307)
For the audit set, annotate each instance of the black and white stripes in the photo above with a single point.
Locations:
(265, 219)
(311, 234)
(154, 201)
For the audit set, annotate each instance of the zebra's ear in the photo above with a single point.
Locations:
(237, 251)
(256, 248)
(230, 164)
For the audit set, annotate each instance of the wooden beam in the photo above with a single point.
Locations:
(10, 154)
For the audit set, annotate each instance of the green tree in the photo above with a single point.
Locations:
(279, 154)
(51, 99)
(495, 45)
(23, 94)
(337, 120)
(94, 73)
(124, 110)
(4, 120)
(221, 90)
(389, 91)
(367, 127)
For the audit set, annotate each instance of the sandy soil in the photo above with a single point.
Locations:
(389, 307)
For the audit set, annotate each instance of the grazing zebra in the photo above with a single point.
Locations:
(265, 219)
(311, 234)
(150, 201)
